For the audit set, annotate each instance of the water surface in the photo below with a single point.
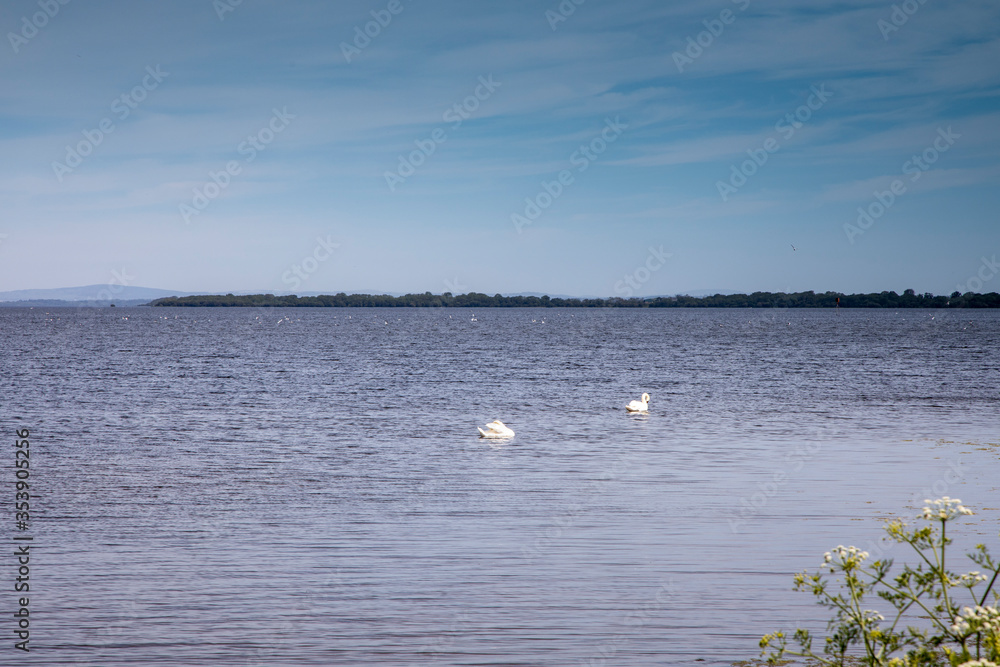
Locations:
(306, 486)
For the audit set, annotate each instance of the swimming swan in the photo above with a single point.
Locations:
(496, 429)
(639, 406)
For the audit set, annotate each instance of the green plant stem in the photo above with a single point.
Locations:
(892, 628)
(941, 572)
(982, 601)
(915, 599)
(852, 582)
(921, 554)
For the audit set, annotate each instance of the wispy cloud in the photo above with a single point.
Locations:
(353, 120)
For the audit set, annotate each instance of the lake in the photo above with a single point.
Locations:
(307, 486)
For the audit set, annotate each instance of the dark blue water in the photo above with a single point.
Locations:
(306, 487)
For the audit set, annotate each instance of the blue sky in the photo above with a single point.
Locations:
(697, 142)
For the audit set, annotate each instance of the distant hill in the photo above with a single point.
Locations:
(59, 303)
(98, 294)
(698, 293)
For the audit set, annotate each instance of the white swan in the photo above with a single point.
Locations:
(639, 406)
(496, 429)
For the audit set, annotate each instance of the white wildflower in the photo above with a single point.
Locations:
(871, 617)
(848, 558)
(968, 580)
(977, 619)
(944, 509)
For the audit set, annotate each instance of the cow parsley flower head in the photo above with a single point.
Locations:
(847, 558)
(944, 509)
(977, 619)
(968, 580)
(871, 618)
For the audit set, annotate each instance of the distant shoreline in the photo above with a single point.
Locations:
(475, 300)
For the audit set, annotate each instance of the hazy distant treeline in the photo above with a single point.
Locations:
(908, 299)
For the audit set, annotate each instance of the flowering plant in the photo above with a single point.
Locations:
(950, 634)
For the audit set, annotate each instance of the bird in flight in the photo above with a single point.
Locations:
(793, 247)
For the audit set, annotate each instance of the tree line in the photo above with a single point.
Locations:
(810, 299)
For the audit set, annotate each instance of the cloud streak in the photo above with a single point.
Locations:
(354, 119)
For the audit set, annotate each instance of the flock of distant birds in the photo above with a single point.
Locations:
(497, 429)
